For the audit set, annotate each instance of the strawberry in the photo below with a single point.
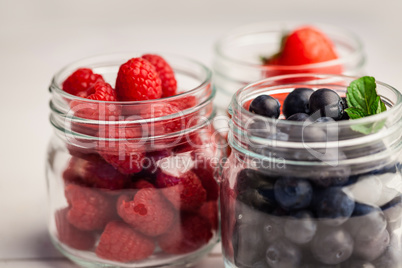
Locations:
(90, 210)
(166, 74)
(119, 242)
(138, 80)
(147, 212)
(189, 234)
(70, 235)
(80, 82)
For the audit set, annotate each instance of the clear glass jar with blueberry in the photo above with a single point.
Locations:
(132, 183)
(316, 189)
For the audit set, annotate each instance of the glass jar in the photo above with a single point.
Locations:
(296, 194)
(237, 60)
(132, 184)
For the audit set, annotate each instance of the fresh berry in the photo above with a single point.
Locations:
(283, 253)
(265, 105)
(70, 235)
(81, 82)
(150, 162)
(345, 106)
(138, 80)
(119, 242)
(166, 74)
(293, 193)
(393, 209)
(332, 245)
(184, 192)
(301, 117)
(204, 169)
(96, 173)
(327, 103)
(372, 249)
(189, 234)
(141, 184)
(300, 228)
(90, 210)
(333, 205)
(306, 45)
(210, 212)
(147, 212)
(272, 228)
(297, 102)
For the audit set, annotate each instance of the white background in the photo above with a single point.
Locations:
(39, 37)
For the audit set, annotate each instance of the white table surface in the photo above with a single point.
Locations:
(39, 37)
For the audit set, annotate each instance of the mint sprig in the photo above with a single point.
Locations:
(363, 101)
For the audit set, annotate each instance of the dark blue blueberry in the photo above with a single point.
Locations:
(301, 117)
(327, 103)
(345, 115)
(308, 132)
(248, 244)
(260, 128)
(372, 249)
(300, 228)
(297, 102)
(333, 206)
(246, 214)
(332, 245)
(265, 105)
(272, 228)
(283, 254)
(367, 222)
(249, 178)
(293, 193)
(393, 209)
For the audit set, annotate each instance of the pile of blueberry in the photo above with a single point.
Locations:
(284, 221)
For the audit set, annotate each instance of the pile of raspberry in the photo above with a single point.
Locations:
(126, 208)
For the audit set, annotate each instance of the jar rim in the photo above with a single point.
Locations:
(251, 28)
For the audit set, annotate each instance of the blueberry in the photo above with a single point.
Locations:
(332, 245)
(266, 106)
(283, 254)
(393, 209)
(297, 102)
(392, 257)
(249, 178)
(300, 227)
(301, 117)
(308, 132)
(327, 102)
(260, 264)
(246, 214)
(293, 193)
(331, 128)
(372, 249)
(367, 222)
(260, 128)
(357, 263)
(248, 244)
(272, 228)
(333, 206)
(345, 115)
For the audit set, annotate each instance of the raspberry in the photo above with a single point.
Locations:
(152, 158)
(147, 212)
(70, 235)
(80, 82)
(120, 148)
(184, 192)
(138, 80)
(166, 74)
(94, 173)
(210, 212)
(119, 242)
(186, 236)
(141, 184)
(90, 210)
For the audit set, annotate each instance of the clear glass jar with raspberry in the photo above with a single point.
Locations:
(312, 194)
(241, 55)
(132, 183)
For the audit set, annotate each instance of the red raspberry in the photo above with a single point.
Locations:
(186, 236)
(141, 184)
(70, 235)
(152, 158)
(138, 80)
(184, 192)
(147, 212)
(166, 74)
(90, 210)
(94, 173)
(120, 148)
(210, 212)
(119, 242)
(80, 82)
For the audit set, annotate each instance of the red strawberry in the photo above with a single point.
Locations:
(189, 234)
(119, 242)
(94, 173)
(90, 210)
(306, 45)
(148, 212)
(70, 235)
(210, 212)
(166, 74)
(184, 191)
(80, 82)
(138, 80)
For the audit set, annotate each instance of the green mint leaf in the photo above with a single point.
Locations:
(355, 113)
(361, 94)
